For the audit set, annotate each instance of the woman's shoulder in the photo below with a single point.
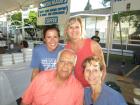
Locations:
(40, 46)
(90, 41)
(87, 39)
(113, 95)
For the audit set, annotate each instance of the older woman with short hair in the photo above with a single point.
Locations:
(98, 93)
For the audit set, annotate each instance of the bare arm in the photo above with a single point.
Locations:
(34, 73)
(97, 50)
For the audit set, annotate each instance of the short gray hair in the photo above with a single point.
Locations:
(69, 50)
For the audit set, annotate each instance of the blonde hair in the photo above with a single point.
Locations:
(90, 59)
(71, 21)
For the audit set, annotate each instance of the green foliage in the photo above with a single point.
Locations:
(31, 22)
(16, 16)
(115, 18)
(127, 17)
(132, 17)
(16, 19)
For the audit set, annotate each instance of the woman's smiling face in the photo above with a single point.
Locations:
(92, 73)
(51, 39)
(74, 30)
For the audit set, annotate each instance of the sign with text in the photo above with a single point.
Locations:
(125, 5)
(53, 12)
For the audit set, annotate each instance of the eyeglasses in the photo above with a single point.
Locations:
(67, 62)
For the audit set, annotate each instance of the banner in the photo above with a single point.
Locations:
(125, 5)
(53, 12)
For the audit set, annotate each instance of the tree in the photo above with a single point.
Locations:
(31, 22)
(16, 19)
(128, 16)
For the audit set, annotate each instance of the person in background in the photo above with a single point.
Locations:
(96, 37)
(44, 55)
(83, 47)
(27, 52)
(58, 86)
(24, 46)
(98, 93)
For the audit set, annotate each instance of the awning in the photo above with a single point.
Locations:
(11, 5)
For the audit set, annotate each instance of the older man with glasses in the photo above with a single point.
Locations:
(56, 87)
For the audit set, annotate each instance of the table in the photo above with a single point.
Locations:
(14, 80)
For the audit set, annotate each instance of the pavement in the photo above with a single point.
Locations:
(128, 71)
(123, 66)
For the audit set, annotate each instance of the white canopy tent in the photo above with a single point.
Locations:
(11, 5)
(8, 7)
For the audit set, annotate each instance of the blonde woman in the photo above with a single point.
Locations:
(82, 47)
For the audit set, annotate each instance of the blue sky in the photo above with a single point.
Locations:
(79, 5)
